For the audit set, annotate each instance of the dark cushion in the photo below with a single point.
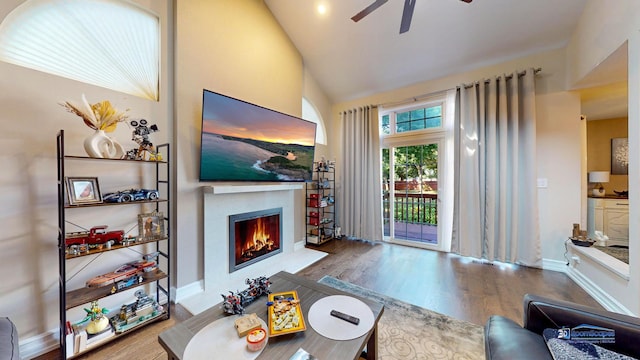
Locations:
(9, 348)
(505, 339)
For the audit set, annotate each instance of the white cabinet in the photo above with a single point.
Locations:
(611, 216)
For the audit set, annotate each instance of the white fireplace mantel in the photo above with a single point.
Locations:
(234, 189)
(222, 200)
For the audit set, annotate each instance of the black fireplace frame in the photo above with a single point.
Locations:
(232, 236)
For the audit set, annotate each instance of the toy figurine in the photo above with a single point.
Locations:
(99, 322)
(140, 135)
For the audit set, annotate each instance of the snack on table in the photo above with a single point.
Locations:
(256, 339)
(285, 314)
(247, 323)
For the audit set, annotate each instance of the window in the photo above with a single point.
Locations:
(407, 120)
(113, 44)
(310, 113)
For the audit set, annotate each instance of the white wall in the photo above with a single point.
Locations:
(558, 129)
(31, 117)
(603, 27)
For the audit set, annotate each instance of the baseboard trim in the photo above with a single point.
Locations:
(554, 265)
(40, 344)
(603, 298)
(189, 290)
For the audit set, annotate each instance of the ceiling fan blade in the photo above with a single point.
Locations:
(368, 10)
(407, 14)
(467, 1)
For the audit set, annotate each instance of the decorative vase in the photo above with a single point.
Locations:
(99, 145)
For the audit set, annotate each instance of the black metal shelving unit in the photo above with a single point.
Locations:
(320, 211)
(161, 278)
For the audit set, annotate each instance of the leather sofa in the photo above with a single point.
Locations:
(9, 348)
(506, 339)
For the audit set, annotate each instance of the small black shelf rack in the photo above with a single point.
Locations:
(320, 216)
(161, 278)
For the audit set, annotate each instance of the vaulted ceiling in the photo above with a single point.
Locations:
(355, 59)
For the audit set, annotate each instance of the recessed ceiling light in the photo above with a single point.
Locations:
(322, 9)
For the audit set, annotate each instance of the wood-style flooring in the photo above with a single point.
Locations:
(449, 284)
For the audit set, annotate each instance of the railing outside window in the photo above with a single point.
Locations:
(413, 208)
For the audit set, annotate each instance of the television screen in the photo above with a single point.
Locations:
(246, 142)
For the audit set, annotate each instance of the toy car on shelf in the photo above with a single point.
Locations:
(130, 195)
(75, 242)
(126, 275)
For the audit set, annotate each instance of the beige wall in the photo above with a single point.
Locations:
(236, 48)
(599, 135)
(31, 117)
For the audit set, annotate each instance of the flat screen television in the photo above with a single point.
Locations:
(246, 142)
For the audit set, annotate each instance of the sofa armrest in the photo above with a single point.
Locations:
(9, 348)
(504, 339)
(543, 313)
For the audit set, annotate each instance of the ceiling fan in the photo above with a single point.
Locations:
(407, 13)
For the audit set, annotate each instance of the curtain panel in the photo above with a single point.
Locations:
(360, 197)
(495, 198)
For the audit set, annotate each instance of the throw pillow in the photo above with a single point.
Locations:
(562, 349)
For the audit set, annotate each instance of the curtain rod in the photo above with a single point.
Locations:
(519, 73)
(422, 96)
(414, 99)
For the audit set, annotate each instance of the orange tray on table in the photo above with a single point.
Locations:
(285, 314)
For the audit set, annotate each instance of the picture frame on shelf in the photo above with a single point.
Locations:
(151, 226)
(83, 190)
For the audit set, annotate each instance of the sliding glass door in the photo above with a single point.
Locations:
(410, 193)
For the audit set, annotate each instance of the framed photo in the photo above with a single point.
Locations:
(151, 226)
(619, 156)
(83, 190)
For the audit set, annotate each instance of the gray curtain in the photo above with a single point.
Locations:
(360, 200)
(496, 206)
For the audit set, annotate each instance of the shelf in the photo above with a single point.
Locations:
(234, 189)
(86, 295)
(162, 316)
(320, 202)
(321, 241)
(114, 247)
(67, 206)
(155, 280)
(74, 157)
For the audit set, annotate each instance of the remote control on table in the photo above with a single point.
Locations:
(345, 317)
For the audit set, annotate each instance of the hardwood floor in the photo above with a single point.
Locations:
(449, 284)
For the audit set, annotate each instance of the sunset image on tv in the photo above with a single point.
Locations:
(245, 142)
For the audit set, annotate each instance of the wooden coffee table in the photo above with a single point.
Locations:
(175, 340)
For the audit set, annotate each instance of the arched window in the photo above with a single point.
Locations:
(114, 44)
(310, 113)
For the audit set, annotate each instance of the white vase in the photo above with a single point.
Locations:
(99, 145)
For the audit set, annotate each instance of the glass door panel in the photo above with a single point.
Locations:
(410, 204)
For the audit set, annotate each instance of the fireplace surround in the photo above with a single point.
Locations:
(224, 200)
(254, 236)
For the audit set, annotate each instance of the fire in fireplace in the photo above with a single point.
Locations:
(254, 236)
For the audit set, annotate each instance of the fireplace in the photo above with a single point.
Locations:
(254, 236)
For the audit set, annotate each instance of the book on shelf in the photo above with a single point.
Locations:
(69, 339)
